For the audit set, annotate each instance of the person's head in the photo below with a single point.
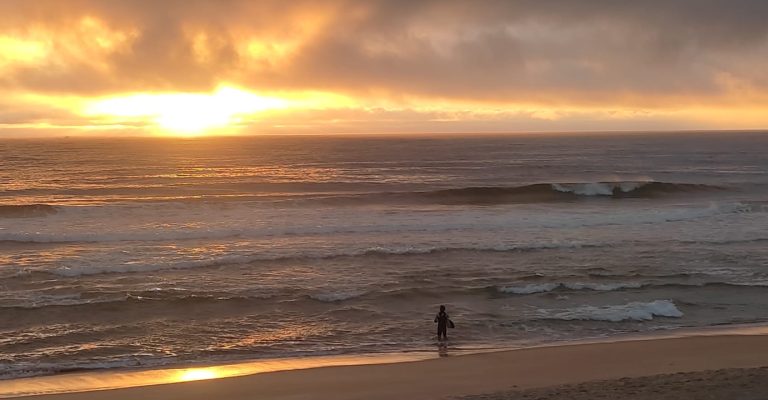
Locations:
(442, 308)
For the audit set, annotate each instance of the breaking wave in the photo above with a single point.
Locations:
(635, 311)
(549, 287)
(533, 193)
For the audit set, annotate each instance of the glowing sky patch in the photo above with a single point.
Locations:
(242, 67)
(187, 113)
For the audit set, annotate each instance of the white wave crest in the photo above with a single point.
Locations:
(530, 289)
(548, 287)
(597, 188)
(635, 311)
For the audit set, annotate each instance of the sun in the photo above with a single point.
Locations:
(186, 114)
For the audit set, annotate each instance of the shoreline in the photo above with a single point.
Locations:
(100, 383)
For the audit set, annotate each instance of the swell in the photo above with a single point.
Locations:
(355, 194)
(374, 252)
(151, 188)
(533, 193)
(95, 304)
(547, 287)
(163, 301)
(73, 271)
(241, 229)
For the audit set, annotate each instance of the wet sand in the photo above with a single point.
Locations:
(582, 368)
(726, 384)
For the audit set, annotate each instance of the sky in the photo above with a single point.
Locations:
(212, 67)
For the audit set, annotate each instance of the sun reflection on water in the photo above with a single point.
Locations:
(197, 374)
(101, 380)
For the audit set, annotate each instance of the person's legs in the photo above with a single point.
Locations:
(441, 332)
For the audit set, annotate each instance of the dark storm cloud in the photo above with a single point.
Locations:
(556, 52)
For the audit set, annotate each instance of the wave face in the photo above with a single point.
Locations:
(471, 195)
(533, 193)
(549, 287)
(371, 292)
(631, 189)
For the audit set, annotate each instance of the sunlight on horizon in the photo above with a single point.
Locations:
(187, 114)
(115, 70)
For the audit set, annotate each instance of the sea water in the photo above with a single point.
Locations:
(134, 252)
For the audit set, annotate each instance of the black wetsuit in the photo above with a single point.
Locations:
(442, 324)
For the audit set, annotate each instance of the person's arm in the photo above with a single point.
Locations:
(436, 316)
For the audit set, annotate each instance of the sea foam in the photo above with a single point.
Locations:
(634, 311)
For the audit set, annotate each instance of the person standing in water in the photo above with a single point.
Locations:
(442, 324)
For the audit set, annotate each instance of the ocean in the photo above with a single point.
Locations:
(144, 252)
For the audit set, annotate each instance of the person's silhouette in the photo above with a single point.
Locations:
(442, 324)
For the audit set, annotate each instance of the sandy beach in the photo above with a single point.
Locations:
(738, 383)
(727, 364)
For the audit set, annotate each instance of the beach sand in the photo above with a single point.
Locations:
(624, 369)
(726, 384)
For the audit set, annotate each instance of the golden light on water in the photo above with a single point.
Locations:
(88, 381)
(197, 374)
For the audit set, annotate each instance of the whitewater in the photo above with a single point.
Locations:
(137, 252)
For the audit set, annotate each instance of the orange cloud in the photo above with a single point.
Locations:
(488, 64)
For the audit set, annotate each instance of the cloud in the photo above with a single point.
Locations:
(483, 49)
(649, 54)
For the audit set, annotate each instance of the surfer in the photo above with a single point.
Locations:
(442, 324)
